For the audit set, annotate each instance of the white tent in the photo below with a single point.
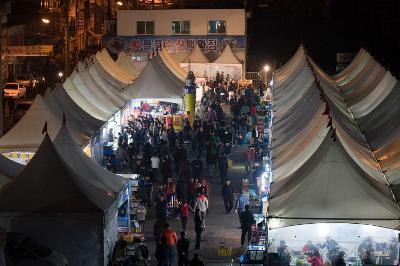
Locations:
(74, 157)
(59, 208)
(125, 62)
(82, 102)
(327, 171)
(228, 63)
(172, 65)
(71, 109)
(86, 127)
(113, 93)
(8, 170)
(26, 135)
(156, 82)
(115, 71)
(197, 62)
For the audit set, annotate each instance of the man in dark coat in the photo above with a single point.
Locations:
(182, 247)
(227, 194)
(247, 221)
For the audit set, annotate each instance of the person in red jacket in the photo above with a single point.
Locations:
(250, 156)
(172, 239)
(184, 214)
(315, 259)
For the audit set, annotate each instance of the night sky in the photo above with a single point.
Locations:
(277, 27)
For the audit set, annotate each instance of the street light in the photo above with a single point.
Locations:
(267, 68)
(60, 75)
(46, 20)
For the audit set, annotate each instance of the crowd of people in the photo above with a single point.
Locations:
(177, 166)
(333, 253)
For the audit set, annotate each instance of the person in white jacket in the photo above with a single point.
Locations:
(202, 205)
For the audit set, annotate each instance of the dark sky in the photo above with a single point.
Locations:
(325, 27)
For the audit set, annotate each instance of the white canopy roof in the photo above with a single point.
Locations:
(82, 102)
(26, 135)
(227, 57)
(330, 188)
(125, 62)
(197, 56)
(318, 179)
(94, 173)
(49, 185)
(173, 66)
(114, 70)
(156, 81)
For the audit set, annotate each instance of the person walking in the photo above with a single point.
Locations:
(183, 250)
(241, 203)
(162, 253)
(227, 194)
(247, 222)
(202, 206)
(196, 261)
(197, 167)
(250, 156)
(198, 228)
(171, 238)
(184, 214)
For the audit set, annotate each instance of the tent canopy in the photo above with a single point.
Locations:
(125, 62)
(26, 135)
(94, 173)
(48, 185)
(197, 56)
(227, 57)
(156, 81)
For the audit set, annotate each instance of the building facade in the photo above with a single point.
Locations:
(178, 30)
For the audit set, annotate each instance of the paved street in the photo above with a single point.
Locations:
(221, 228)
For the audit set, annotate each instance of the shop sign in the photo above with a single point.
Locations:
(29, 50)
(174, 44)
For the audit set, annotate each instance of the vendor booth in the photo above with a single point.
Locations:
(61, 209)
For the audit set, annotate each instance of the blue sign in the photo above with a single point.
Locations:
(174, 44)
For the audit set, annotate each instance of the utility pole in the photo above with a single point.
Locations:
(66, 25)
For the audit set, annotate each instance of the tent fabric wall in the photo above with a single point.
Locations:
(90, 97)
(82, 102)
(156, 81)
(113, 69)
(333, 176)
(197, 56)
(125, 62)
(58, 206)
(172, 65)
(27, 135)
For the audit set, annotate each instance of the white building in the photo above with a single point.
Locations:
(177, 30)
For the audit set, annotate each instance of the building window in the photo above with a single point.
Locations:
(217, 26)
(181, 27)
(144, 27)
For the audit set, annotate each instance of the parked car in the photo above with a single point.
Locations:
(14, 90)
(25, 80)
(21, 249)
(20, 109)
